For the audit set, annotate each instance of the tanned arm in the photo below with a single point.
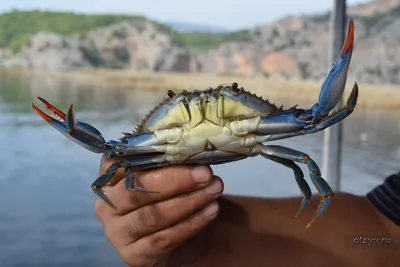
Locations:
(263, 232)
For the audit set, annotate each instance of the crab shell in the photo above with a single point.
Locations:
(217, 106)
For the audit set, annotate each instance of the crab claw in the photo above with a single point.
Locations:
(334, 84)
(81, 133)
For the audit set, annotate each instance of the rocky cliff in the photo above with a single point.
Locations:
(293, 47)
(297, 46)
(138, 45)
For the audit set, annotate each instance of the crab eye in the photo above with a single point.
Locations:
(170, 93)
(235, 89)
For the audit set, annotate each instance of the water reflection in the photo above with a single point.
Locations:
(46, 205)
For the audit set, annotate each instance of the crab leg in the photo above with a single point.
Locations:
(322, 186)
(284, 124)
(298, 175)
(130, 181)
(136, 145)
(138, 163)
(333, 86)
(148, 142)
(337, 115)
(81, 133)
(214, 157)
(293, 123)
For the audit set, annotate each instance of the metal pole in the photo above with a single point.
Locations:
(333, 134)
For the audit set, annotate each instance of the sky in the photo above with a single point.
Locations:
(230, 14)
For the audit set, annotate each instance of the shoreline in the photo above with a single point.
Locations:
(302, 92)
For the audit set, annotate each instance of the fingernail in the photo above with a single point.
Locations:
(211, 209)
(214, 188)
(201, 174)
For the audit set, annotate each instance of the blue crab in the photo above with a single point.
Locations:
(215, 126)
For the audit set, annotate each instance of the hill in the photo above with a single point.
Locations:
(293, 47)
(58, 40)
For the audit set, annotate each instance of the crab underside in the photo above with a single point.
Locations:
(215, 126)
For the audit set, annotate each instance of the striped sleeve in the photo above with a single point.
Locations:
(386, 198)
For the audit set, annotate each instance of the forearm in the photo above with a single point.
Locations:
(255, 231)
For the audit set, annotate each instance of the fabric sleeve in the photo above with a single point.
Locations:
(386, 198)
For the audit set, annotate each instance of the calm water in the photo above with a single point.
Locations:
(47, 207)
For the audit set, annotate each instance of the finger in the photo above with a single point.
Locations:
(168, 181)
(150, 249)
(157, 216)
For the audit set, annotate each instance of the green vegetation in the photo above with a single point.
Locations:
(17, 27)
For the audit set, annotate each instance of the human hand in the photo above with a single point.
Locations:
(161, 229)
